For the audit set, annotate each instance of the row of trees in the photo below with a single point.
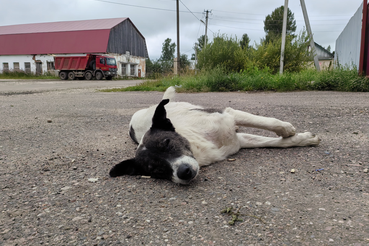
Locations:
(235, 55)
(164, 64)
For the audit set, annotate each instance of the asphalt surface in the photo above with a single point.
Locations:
(58, 145)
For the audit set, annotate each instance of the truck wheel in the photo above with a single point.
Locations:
(99, 75)
(63, 75)
(71, 76)
(88, 76)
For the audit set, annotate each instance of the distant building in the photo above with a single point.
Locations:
(32, 47)
(325, 57)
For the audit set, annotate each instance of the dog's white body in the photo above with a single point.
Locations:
(213, 136)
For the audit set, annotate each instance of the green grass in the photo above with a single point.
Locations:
(259, 80)
(48, 75)
(23, 75)
(144, 86)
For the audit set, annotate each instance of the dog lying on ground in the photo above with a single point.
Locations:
(176, 138)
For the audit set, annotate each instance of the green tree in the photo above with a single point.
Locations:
(184, 62)
(167, 56)
(245, 41)
(199, 45)
(153, 68)
(168, 50)
(273, 24)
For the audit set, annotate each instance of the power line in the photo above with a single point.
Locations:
(232, 12)
(237, 12)
(234, 19)
(144, 7)
(244, 28)
(137, 6)
(231, 19)
(190, 10)
(193, 14)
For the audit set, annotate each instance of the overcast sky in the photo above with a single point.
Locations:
(156, 19)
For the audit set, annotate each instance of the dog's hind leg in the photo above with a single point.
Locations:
(300, 139)
(281, 128)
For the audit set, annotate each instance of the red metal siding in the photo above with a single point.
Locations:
(64, 26)
(92, 41)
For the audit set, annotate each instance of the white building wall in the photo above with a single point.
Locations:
(349, 42)
(22, 59)
(138, 63)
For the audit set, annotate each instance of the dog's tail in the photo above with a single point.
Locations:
(170, 93)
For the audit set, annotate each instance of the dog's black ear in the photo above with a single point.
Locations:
(160, 120)
(127, 167)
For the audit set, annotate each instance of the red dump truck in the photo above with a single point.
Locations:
(87, 67)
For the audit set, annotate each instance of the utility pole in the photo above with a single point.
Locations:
(308, 28)
(195, 58)
(206, 27)
(362, 63)
(178, 52)
(284, 29)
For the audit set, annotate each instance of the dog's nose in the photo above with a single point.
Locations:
(185, 172)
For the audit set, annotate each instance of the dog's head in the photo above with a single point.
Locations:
(162, 153)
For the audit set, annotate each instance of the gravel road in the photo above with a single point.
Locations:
(57, 146)
(30, 86)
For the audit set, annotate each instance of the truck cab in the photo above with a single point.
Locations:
(103, 66)
(107, 65)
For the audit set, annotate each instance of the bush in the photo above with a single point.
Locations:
(254, 79)
(225, 53)
(296, 58)
(341, 79)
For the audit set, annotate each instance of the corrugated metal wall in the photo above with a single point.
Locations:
(348, 43)
(125, 37)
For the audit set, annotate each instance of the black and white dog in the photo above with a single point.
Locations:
(177, 138)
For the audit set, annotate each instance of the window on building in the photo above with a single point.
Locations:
(27, 67)
(16, 66)
(133, 70)
(6, 67)
(50, 66)
(124, 69)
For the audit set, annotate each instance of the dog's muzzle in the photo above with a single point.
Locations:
(186, 172)
(185, 169)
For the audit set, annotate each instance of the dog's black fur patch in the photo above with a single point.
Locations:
(160, 145)
(132, 134)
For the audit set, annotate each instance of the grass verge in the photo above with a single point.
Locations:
(259, 80)
(23, 75)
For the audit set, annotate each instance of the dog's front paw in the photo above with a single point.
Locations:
(285, 130)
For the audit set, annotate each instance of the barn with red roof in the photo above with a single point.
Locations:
(32, 47)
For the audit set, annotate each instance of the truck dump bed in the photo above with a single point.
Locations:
(71, 62)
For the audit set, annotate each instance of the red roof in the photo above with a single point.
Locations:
(89, 36)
